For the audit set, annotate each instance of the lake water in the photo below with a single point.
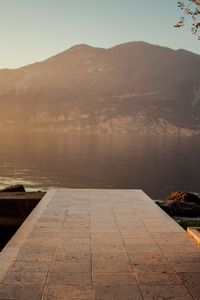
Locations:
(158, 165)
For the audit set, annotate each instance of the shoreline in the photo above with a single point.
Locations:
(16, 206)
(14, 209)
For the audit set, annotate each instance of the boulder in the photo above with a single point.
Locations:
(14, 189)
(183, 197)
(182, 204)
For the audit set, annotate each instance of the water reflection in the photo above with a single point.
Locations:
(156, 165)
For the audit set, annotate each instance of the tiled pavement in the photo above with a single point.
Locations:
(99, 244)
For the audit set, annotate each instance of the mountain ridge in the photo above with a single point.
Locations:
(101, 48)
(132, 87)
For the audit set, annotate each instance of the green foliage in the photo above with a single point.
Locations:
(190, 8)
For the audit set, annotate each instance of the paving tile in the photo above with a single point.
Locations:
(71, 243)
(78, 225)
(111, 263)
(179, 248)
(139, 241)
(107, 241)
(171, 237)
(20, 291)
(193, 267)
(117, 292)
(107, 248)
(161, 292)
(192, 282)
(62, 255)
(83, 229)
(114, 279)
(19, 266)
(34, 258)
(75, 228)
(67, 292)
(105, 229)
(37, 234)
(74, 264)
(153, 267)
(24, 277)
(138, 229)
(75, 235)
(98, 223)
(59, 275)
(107, 235)
(190, 278)
(157, 278)
(147, 258)
(180, 257)
(48, 229)
(131, 234)
(130, 225)
(143, 248)
(57, 223)
(31, 250)
(41, 243)
(36, 253)
(77, 219)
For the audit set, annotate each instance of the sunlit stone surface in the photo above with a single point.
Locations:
(99, 244)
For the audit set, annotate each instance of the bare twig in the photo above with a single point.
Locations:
(191, 8)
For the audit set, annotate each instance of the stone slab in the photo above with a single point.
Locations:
(87, 244)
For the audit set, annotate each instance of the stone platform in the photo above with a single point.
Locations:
(99, 245)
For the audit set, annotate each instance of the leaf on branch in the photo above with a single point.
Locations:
(190, 8)
(179, 24)
(187, 11)
(181, 5)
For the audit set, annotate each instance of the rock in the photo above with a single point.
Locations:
(181, 209)
(14, 188)
(182, 204)
(183, 197)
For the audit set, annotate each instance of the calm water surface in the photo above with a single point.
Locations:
(158, 165)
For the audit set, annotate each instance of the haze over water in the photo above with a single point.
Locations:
(158, 165)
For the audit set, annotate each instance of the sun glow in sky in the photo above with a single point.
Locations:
(33, 30)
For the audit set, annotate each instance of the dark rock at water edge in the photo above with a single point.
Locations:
(183, 197)
(14, 209)
(181, 204)
(14, 188)
(183, 209)
(18, 205)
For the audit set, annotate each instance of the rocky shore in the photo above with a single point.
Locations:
(181, 204)
(15, 206)
(183, 207)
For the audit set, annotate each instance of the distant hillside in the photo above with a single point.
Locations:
(134, 87)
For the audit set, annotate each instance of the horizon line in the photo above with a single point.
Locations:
(95, 47)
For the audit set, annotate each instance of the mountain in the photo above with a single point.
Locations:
(134, 87)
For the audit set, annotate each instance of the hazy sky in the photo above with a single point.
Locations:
(33, 30)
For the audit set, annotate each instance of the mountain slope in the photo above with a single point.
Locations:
(131, 87)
